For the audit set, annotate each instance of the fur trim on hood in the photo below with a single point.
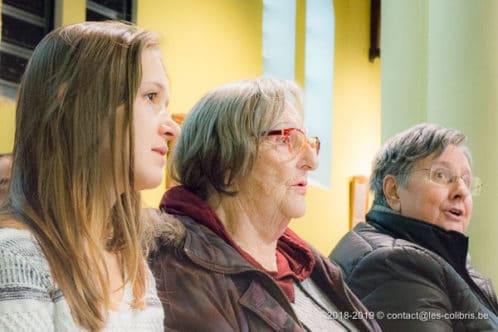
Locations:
(161, 229)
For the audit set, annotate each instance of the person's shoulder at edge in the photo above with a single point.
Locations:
(361, 241)
(27, 290)
(22, 262)
(368, 253)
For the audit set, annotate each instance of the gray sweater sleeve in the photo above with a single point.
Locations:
(27, 292)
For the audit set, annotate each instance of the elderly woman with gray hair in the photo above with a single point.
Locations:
(409, 261)
(228, 261)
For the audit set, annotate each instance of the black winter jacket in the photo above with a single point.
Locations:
(415, 276)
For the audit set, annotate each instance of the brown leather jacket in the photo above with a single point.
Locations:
(205, 285)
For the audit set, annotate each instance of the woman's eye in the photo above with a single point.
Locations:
(282, 139)
(467, 180)
(441, 174)
(151, 96)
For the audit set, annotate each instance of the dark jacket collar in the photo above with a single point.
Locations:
(450, 245)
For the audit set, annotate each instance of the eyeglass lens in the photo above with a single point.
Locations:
(445, 176)
(297, 140)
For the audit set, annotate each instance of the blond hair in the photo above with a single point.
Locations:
(66, 123)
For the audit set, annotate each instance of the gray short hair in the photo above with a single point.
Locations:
(221, 135)
(398, 155)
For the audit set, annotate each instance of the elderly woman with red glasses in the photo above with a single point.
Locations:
(227, 260)
(409, 262)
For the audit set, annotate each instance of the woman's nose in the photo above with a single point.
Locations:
(309, 158)
(169, 128)
(460, 189)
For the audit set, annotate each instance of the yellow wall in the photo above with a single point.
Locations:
(7, 117)
(207, 43)
(204, 44)
(69, 11)
(7, 125)
(356, 125)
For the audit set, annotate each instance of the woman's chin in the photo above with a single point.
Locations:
(149, 183)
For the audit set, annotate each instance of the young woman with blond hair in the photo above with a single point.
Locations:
(91, 130)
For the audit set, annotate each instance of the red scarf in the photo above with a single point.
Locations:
(294, 258)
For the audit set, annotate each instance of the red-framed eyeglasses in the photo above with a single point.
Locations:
(296, 139)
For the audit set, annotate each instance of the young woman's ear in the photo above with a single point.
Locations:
(390, 187)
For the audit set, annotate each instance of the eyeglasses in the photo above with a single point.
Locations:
(295, 139)
(443, 176)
